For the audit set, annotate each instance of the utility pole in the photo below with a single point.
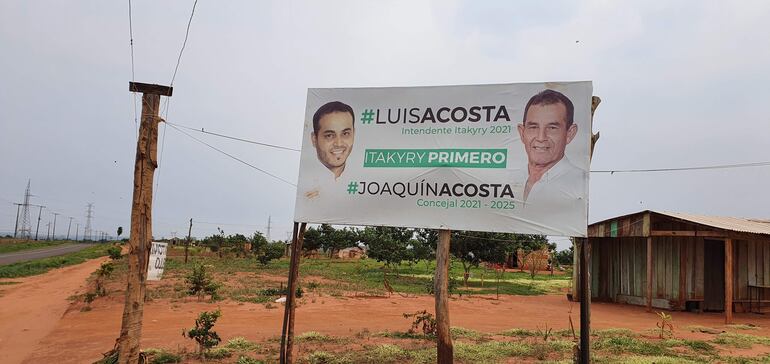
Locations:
(55, 214)
(48, 234)
(16, 229)
(77, 229)
(187, 245)
(141, 220)
(39, 214)
(68, 228)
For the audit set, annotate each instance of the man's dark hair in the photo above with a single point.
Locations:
(549, 97)
(329, 108)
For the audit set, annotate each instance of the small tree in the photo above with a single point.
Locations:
(200, 283)
(272, 251)
(202, 333)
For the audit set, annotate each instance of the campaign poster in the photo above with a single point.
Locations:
(502, 158)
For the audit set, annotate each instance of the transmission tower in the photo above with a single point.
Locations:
(269, 226)
(26, 226)
(89, 215)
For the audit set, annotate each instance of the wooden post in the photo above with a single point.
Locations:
(575, 270)
(584, 245)
(287, 337)
(650, 269)
(141, 221)
(728, 281)
(444, 347)
(585, 300)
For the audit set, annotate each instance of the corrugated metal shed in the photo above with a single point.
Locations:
(753, 226)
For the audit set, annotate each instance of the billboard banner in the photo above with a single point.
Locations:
(502, 158)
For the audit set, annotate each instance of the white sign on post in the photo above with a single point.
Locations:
(502, 158)
(157, 261)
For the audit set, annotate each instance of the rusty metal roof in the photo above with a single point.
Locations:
(753, 226)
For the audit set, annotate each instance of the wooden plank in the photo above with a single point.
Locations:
(672, 270)
(641, 301)
(751, 261)
(706, 234)
(149, 88)
(649, 273)
(740, 262)
(766, 248)
(640, 265)
(660, 267)
(646, 225)
(683, 243)
(728, 281)
(699, 270)
(690, 269)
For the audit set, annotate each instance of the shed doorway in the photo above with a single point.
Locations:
(713, 275)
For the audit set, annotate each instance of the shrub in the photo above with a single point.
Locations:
(103, 272)
(247, 360)
(114, 252)
(202, 333)
(241, 344)
(423, 318)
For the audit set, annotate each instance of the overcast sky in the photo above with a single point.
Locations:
(683, 84)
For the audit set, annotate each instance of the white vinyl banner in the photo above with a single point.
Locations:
(157, 261)
(502, 158)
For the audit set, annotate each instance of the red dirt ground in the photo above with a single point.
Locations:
(33, 330)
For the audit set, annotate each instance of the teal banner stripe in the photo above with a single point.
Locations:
(422, 158)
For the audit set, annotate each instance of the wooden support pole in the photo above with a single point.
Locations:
(140, 240)
(575, 270)
(287, 337)
(728, 281)
(585, 300)
(444, 348)
(187, 244)
(650, 269)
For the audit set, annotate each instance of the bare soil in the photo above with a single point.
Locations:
(39, 325)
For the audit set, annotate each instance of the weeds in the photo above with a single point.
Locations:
(424, 318)
(665, 325)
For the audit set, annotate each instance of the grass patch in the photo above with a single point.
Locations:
(404, 335)
(217, 353)
(247, 360)
(460, 332)
(742, 341)
(317, 337)
(16, 246)
(744, 327)
(519, 333)
(632, 345)
(160, 356)
(323, 357)
(241, 344)
(8, 283)
(366, 276)
(39, 266)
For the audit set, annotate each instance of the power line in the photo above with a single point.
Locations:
(201, 130)
(133, 77)
(168, 100)
(186, 34)
(721, 166)
(232, 156)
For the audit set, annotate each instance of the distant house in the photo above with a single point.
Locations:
(696, 262)
(351, 253)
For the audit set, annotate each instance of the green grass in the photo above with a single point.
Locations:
(742, 341)
(39, 266)
(365, 276)
(16, 246)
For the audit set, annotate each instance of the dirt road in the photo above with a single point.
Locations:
(31, 309)
(80, 337)
(21, 256)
